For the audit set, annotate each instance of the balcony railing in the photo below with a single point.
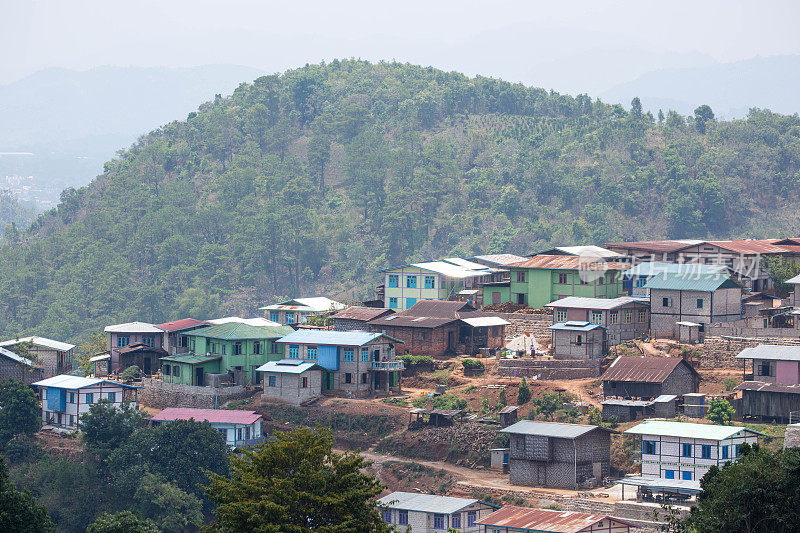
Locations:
(388, 365)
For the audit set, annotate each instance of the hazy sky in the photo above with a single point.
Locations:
(572, 46)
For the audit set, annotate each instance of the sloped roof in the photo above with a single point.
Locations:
(589, 251)
(568, 262)
(239, 331)
(408, 321)
(221, 416)
(654, 268)
(288, 366)
(438, 309)
(761, 386)
(427, 503)
(190, 358)
(40, 341)
(485, 321)
(257, 321)
(544, 520)
(317, 304)
(550, 429)
(680, 282)
(15, 357)
(133, 327)
(355, 312)
(334, 338)
(687, 430)
(579, 302)
(644, 369)
(750, 246)
(575, 325)
(67, 381)
(140, 348)
(184, 323)
(769, 351)
(794, 281)
(499, 259)
(655, 246)
(452, 267)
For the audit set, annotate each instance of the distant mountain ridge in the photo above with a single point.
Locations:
(731, 89)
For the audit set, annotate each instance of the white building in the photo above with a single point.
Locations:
(685, 451)
(237, 427)
(65, 398)
(426, 513)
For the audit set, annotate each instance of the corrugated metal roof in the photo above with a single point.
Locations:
(579, 302)
(499, 259)
(654, 268)
(665, 398)
(426, 503)
(485, 321)
(549, 429)
(508, 409)
(544, 520)
(288, 366)
(411, 321)
(689, 485)
(679, 282)
(257, 321)
(643, 369)
(627, 403)
(15, 357)
(761, 386)
(66, 381)
(40, 341)
(438, 309)
(221, 416)
(133, 327)
(239, 331)
(769, 351)
(364, 314)
(574, 325)
(184, 323)
(654, 246)
(333, 338)
(568, 262)
(100, 357)
(453, 267)
(590, 250)
(318, 304)
(191, 359)
(687, 430)
(750, 246)
(794, 281)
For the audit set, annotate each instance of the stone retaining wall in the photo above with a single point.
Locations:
(720, 352)
(160, 395)
(535, 324)
(549, 368)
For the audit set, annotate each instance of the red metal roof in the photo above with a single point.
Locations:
(183, 323)
(750, 246)
(653, 246)
(545, 520)
(741, 246)
(220, 416)
(567, 262)
(643, 369)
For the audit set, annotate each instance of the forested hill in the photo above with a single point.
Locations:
(308, 182)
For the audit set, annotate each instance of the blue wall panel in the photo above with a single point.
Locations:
(56, 399)
(329, 357)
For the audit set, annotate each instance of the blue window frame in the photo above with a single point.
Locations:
(290, 318)
(394, 280)
(472, 517)
(430, 282)
(311, 352)
(724, 452)
(455, 521)
(365, 355)
(123, 341)
(438, 521)
(348, 354)
(669, 474)
(89, 397)
(386, 514)
(71, 397)
(410, 302)
(272, 381)
(649, 447)
(641, 282)
(686, 475)
(274, 316)
(148, 341)
(738, 449)
(294, 351)
(705, 453)
(411, 282)
(687, 450)
(392, 302)
(402, 518)
(111, 396)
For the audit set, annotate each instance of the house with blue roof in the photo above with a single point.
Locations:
(634, 279)
(350, 363)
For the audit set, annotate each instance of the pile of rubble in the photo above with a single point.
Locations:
(473, 440)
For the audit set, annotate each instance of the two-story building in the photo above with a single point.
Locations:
(174, 340)
(353, 363)
(624, 318)
(53, 357)
(578, 339)
(635, 278)
(406, 285)
(542, 279)
(238, 428)
(356, 318)
(135, 343)
(66, 398)
(771, 387)
(296, 311)
(428, 513)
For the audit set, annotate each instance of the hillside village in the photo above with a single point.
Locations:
(487, 391)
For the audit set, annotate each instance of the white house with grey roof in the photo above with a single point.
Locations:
(548, 454)
(427, 513)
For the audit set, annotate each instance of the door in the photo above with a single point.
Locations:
(198, 380)
(148, 365)
(450, 340)
(495, 297)
(377, 384)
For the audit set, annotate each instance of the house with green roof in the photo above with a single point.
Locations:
(232, 348)
(681, 301)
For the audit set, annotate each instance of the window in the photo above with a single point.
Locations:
(224, 348)
(71, 420)
(641, 282)
(613, 317)
(123, 341)
(110, 396)
(304, 382)
(167, 370)
(240, 434)
(257, 347)
(184, 341)
(364, 378)
(737, 448)
(272, 381)
(699, 303)
(348, 354)
(649, 447)
(89, 397)
(579, 340)
(176, 371)
(213, 347)
(237, 348)
(472, 517)
(311, 352)
(601, 280)
(430, 282)
(386, 514)
(294, 351)
(597, 317)
(561, 315)
(724, 452)
(223, 432)
(394, 280)
(520, 276)
(669, 474)
(664, 302)
(705, 452)
(290, 318)
(641, 315)
(562, 279)
(438, 521)
(522, 298)
(763, 368)
(687, 475)
(348, 377)
(364, 355)
(411, 282)
(687, 450)
(274, 316)
(392, 302)
(71, 397)
(410, 302)
(455, 521)
(402, 518)
(273, 347)
(627, 316)
(148, 341)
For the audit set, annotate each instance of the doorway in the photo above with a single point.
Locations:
(198, 373)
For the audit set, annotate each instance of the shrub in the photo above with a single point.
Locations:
(130, 373)
(730, 383)
(23, 448)
(720, 411)
(411, 361)
(472, 364)
(524, 393)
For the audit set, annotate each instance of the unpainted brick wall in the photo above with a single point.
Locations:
(161, 395)
(720, 352)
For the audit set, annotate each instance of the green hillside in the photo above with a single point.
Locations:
(308, 182)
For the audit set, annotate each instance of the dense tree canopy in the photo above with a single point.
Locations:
(105, 427)
(19, 410)
(19, 512)
(310, 181)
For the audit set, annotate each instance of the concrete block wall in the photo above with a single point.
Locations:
(720, 352)
(535, 324)
(160, 395)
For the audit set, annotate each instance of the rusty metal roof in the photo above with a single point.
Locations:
(568, 262)
(411, 321)
(438, 309)
(750, 246)
(355, 312)
(643, 369)
(545, 520)
(654, 246)
(761, 386)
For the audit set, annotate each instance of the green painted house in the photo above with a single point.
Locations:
(233, 347)
(542, 279)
